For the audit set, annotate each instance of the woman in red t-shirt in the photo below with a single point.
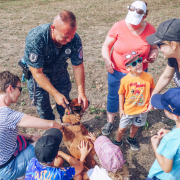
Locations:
(125, 35)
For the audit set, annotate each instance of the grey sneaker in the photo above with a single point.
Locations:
(107, 128)
(133, 143)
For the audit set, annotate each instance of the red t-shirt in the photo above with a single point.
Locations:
(126, 41)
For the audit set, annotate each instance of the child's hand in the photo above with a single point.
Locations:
(150, 107)
(162, 132)
(84, 150)
(92, 137)
(121, 113)
(151, 58)
(155, 141)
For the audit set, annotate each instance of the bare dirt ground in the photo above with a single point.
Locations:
(94, 19)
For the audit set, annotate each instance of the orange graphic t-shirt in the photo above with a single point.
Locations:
(136, 91)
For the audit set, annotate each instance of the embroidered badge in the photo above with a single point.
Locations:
(80, 55)
(68, 51)
(33, 57)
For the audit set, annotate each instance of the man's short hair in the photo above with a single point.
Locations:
(6, 79)
(69, 18)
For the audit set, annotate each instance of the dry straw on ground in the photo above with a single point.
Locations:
(95, 18)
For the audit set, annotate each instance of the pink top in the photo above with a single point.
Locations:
(126, 41)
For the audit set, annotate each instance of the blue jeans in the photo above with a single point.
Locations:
(17, 167)
(154, 178)
(113, 88)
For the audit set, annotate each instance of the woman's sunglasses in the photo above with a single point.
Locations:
(138, 10)
(134, 64)
(159, 45)
(20, 88)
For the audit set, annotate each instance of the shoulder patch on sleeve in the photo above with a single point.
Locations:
(80, 53)
(33, 57)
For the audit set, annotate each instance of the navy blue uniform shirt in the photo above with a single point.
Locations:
(41, 52)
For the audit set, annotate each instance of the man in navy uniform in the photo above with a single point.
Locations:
(47, 49)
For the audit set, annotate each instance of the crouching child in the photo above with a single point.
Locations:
(48, 161)
(166, 144)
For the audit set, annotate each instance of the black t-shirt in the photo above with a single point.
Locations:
(172, 62)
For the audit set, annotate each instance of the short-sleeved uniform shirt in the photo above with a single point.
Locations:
(8, 132)
(172, 62)
(37, 171)
(126, 41)
(136, 91)
(41, 52)
(169, 147)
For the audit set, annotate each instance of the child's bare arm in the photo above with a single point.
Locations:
(78, 165)
(166, 164)
(121, 104)
(150, 107)
(85, 176)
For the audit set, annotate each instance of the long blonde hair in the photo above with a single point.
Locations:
(119, 174)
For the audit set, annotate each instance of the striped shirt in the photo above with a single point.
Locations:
(8, 132)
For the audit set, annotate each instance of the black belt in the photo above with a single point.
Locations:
(3, 165)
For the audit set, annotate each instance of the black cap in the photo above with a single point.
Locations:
(167, 31)
(47, 146)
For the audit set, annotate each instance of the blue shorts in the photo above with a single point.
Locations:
(17, 167)
(113, 88)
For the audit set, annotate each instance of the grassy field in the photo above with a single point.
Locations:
(94, 19)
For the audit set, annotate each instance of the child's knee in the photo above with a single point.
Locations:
(134, 127)
(122, 130)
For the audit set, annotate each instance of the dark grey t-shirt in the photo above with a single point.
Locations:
(41, 52)
(172, 62)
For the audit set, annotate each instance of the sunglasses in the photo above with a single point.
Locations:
(159, 45)
(134, 63)
(20, 88)
(138, 10)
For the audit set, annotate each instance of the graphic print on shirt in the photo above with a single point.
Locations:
(137, 90)
(37, 171)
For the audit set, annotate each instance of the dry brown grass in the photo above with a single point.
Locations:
(95, 18)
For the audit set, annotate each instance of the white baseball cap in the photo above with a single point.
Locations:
(133, 17)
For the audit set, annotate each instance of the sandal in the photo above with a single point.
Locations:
(107, 128)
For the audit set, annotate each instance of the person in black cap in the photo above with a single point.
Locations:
(167, 38)
(166, 144)
(48, 161)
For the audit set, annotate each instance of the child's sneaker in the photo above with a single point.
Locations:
(118, 143)
(133, 143)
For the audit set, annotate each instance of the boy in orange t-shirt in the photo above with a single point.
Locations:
(134, 95)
